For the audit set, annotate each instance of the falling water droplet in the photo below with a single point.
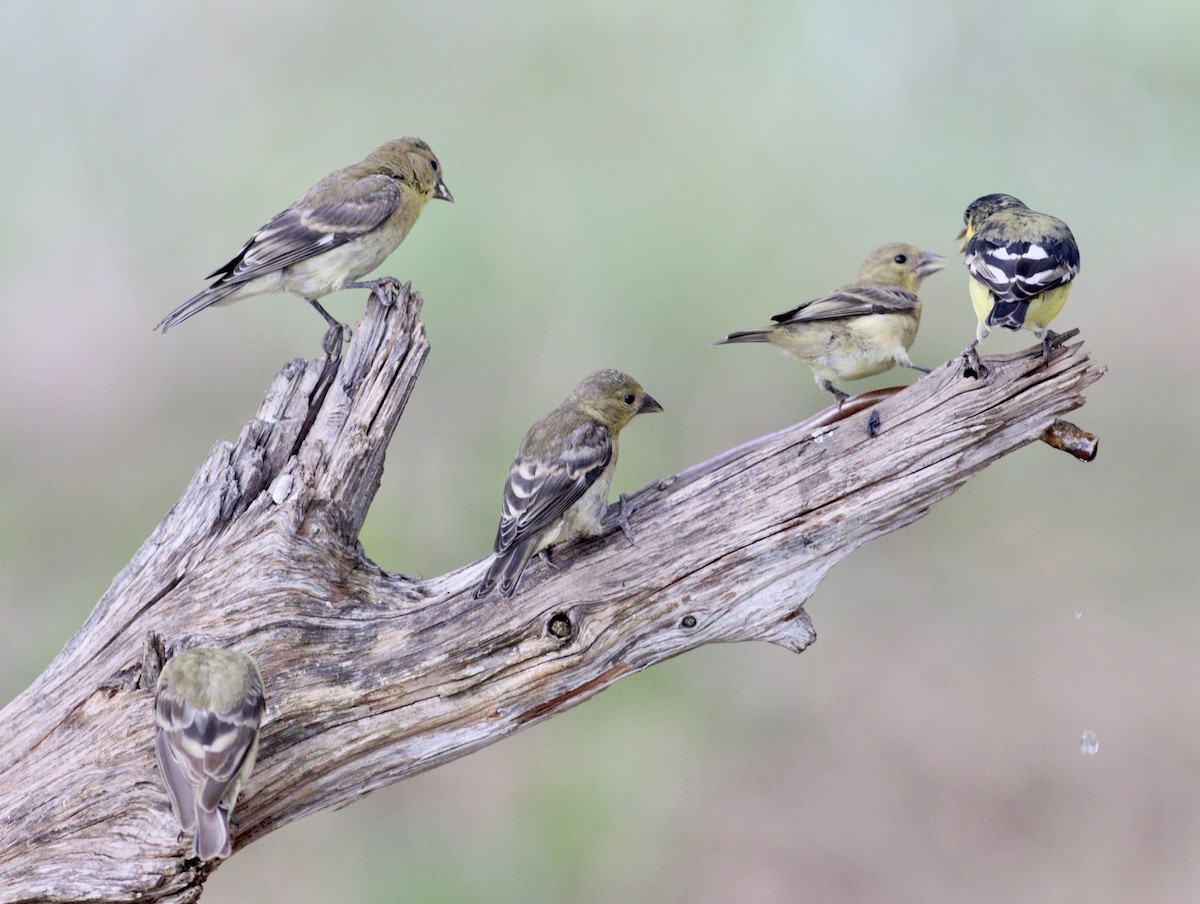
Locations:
(1089, 743)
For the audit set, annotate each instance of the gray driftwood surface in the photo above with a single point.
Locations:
(372, 677)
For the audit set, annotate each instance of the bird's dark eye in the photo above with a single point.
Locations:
(433, 165)
(901, 258)
(630, 398)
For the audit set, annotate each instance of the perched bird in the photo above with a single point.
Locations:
(864, 328)
(342, 229)
(1021, 264)
(557, 488)
(207, 711)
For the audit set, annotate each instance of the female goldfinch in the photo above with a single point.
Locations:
(207, 713)
(864, 328)
(557, 487)
(342, 229)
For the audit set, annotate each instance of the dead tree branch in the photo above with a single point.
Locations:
(372, 677)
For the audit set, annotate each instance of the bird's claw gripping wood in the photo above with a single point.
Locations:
(624, 510)
(973, 366)
(387, 289)
(837, 393)
(334, 323)
(1052, 340)
(331, 342)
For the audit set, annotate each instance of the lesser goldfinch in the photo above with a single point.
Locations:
(1021, 264)
(343, 228)
(208, 709)
(557, 487)
(864, 328)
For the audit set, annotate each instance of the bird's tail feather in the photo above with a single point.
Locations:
(195, 305)
(212, 834)
(744, 336)
(1008, 314)
(506, 569)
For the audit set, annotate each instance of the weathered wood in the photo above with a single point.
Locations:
(372, 677)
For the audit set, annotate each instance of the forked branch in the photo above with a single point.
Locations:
(372, 677)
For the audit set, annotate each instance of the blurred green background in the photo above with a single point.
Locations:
(633, 181)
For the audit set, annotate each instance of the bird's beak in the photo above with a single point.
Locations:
(928, 263)
(964, 238)
(648, 405)
(442, 192)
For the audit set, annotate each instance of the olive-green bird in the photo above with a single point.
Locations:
(342, 229)
(864, 328)
(557, 487)
(1021, 263)
(208, 709)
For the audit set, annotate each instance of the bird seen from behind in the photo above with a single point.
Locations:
(1021, 265)
(207, 711)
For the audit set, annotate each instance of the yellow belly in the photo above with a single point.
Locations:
(585, 517)
(981, 300)
(849, 349)
(1042, 309)
(1045, 308)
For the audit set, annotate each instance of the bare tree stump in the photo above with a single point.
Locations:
(372, 677)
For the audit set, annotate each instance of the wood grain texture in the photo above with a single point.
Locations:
(372, 677)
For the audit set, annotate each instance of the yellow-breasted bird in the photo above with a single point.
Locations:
(342, 229)
(861, 329)
(1021, 263)
(207, 713)
(557, 487)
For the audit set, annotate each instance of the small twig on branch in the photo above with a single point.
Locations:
(372, 677)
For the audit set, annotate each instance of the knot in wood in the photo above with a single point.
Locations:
(560, 626)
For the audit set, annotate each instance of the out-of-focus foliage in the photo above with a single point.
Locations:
(633, 181)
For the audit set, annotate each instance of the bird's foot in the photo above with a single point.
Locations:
(624, 510)
(904, 361)
(387, 289)
(973, 366)
(544, 555)
(834, 391)
(1052, 340)
(343, 330)
(332, 341)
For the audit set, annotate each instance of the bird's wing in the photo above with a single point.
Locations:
(852, 301)
(204, 749)
(1021, 270)
(539, 489)
(309, 228)
(177, 779)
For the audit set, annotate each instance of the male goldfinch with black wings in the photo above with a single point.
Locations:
(861, 329)
(1021, 264)
(557, 487)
